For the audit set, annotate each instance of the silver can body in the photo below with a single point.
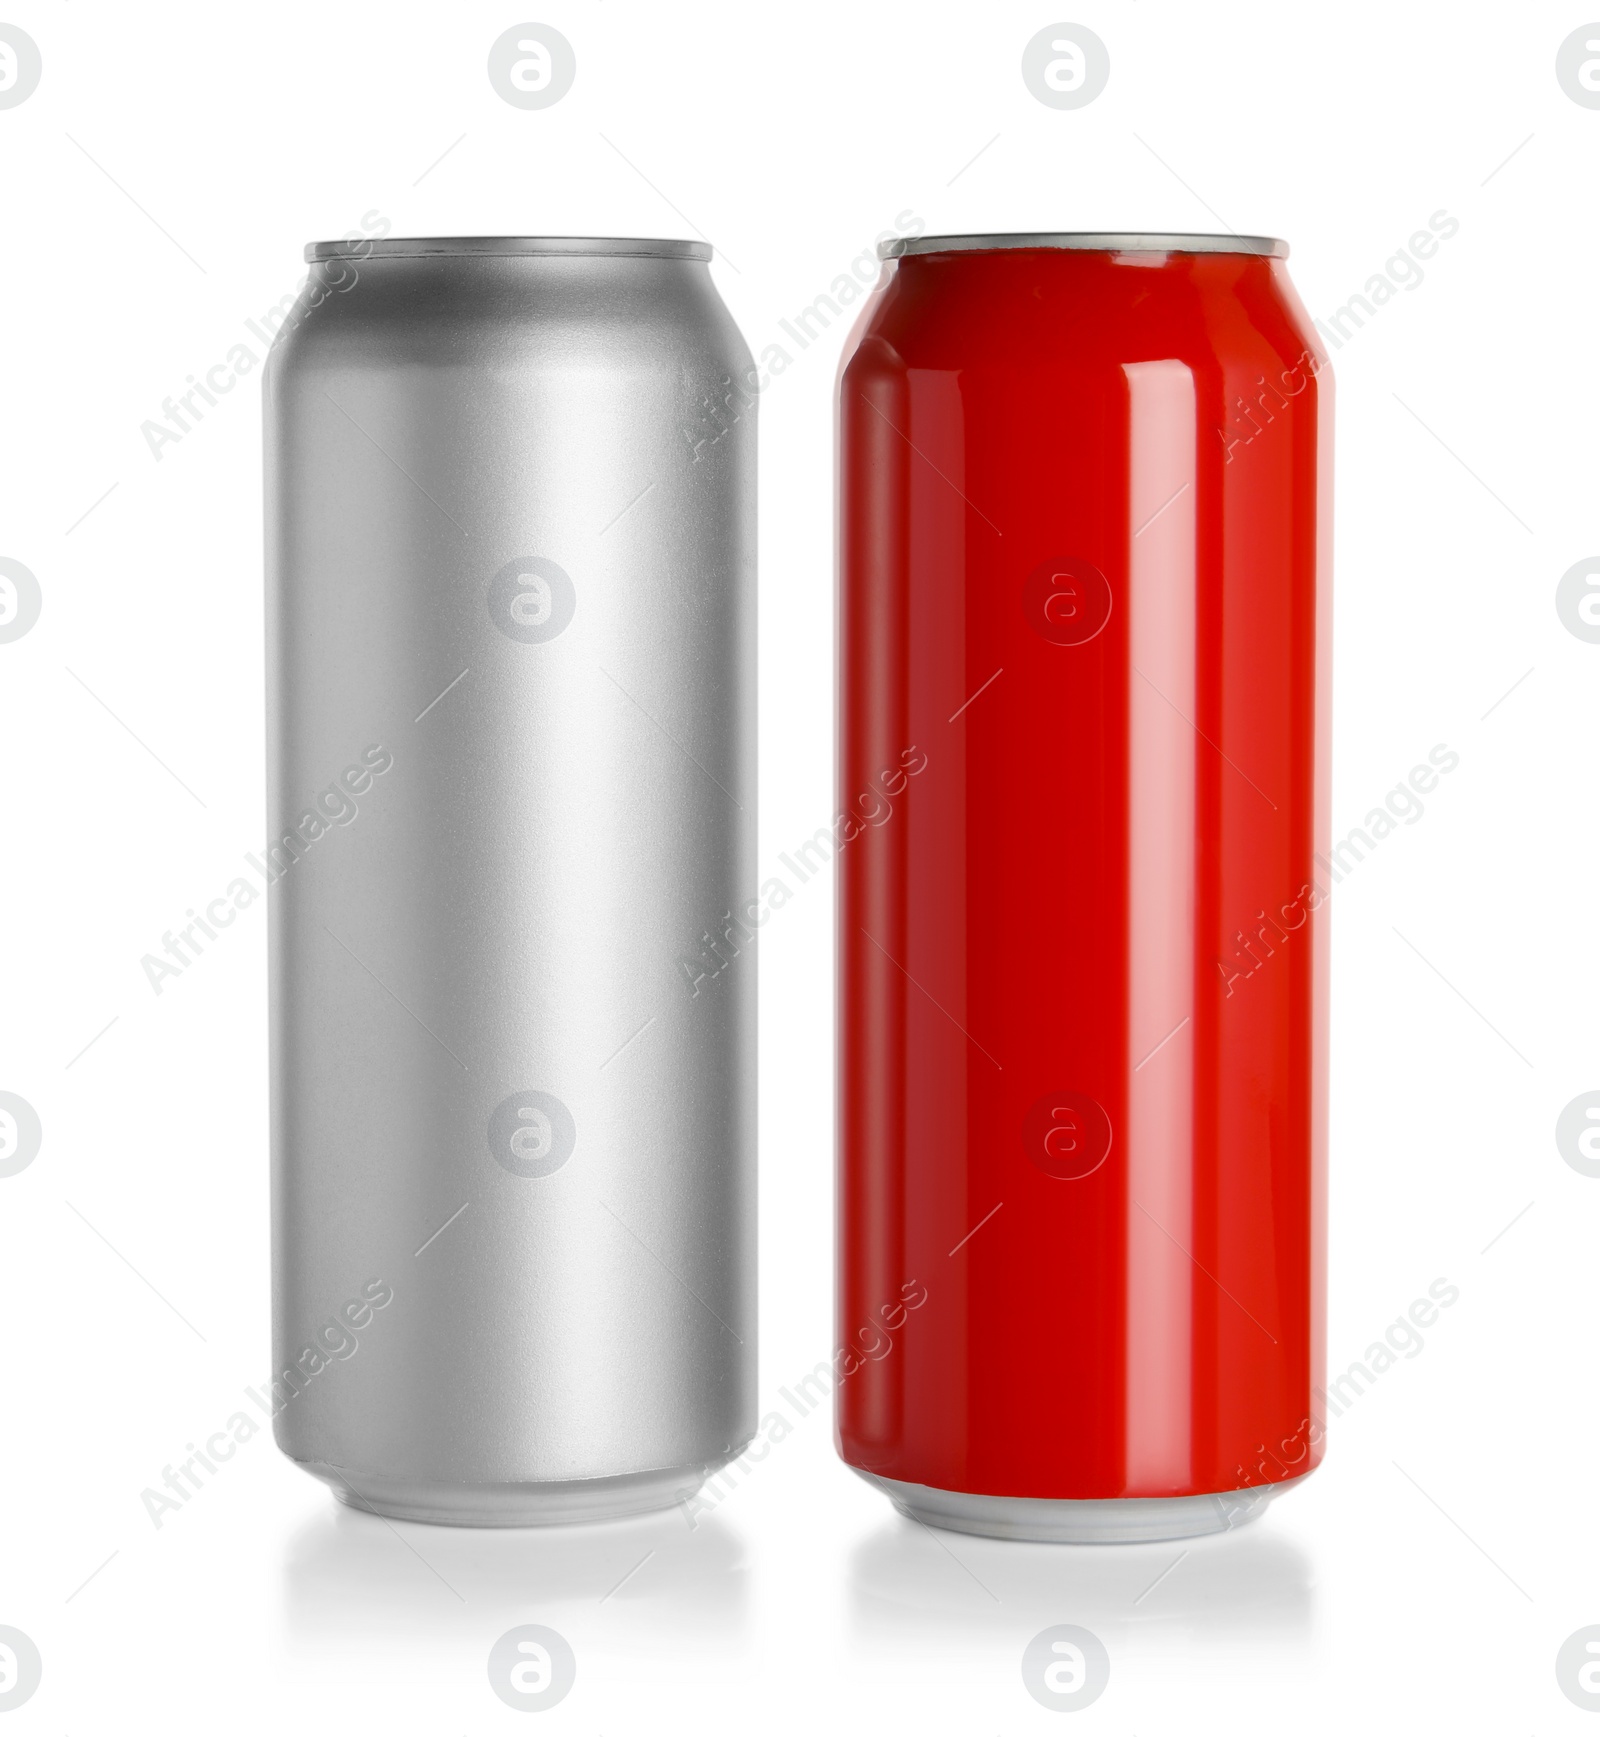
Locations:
(511, 787)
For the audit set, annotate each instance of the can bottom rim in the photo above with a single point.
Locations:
(1049, 1520)
(536, 1502)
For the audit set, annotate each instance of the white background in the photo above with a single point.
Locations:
(1432, 1568)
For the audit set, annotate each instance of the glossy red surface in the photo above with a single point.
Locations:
(1083, 939)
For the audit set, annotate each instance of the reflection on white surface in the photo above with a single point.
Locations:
(648, 1585)
(909, 1584)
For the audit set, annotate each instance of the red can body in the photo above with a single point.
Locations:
(1083, 779)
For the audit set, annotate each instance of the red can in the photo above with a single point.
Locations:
(1084, 627)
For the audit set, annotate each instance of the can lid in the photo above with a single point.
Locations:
(1086, 242)
(401, 247)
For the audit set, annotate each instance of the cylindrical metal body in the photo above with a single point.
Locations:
(1084, 523)
(511, 743)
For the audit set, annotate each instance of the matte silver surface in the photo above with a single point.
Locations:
(511, 549)
(1089, 242)
(1130, 1520)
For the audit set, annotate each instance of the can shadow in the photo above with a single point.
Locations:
(910, 1585)
(355, 1583)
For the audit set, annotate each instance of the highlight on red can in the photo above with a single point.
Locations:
(1084, 566)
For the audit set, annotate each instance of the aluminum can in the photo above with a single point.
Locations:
(510, 525)
(1084, 598)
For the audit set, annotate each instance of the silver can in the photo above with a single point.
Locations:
(511, 620)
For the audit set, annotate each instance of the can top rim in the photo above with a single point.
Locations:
(549, 246)
(1087, 241)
